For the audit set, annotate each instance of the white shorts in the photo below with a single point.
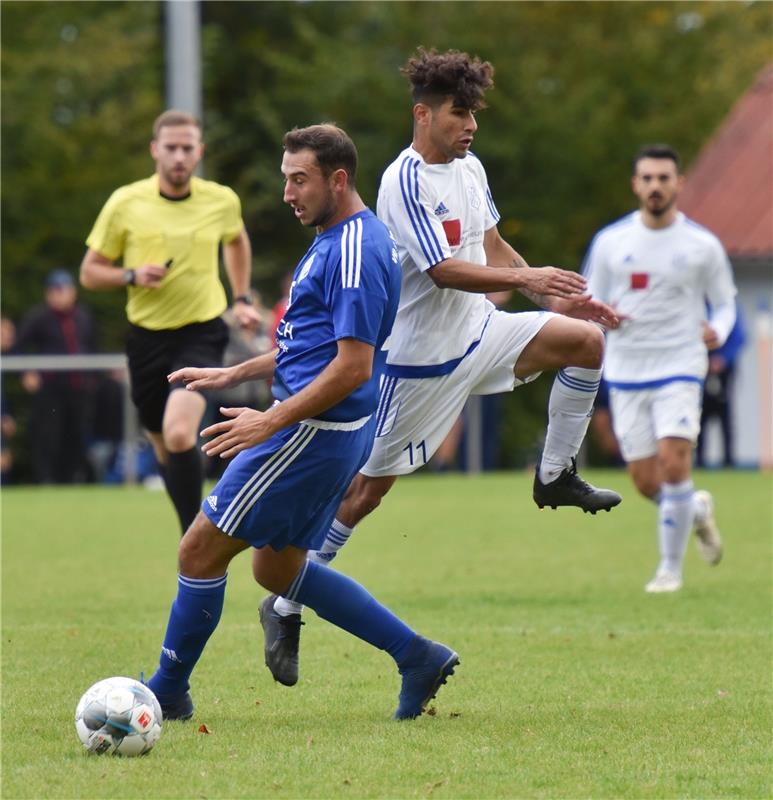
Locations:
(416, 414)
(641, 417)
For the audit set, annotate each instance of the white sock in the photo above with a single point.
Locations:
(675, 516)
(569, 412)
(699, 509)
(336, 538)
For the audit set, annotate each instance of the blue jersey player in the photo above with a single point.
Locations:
(294, 462)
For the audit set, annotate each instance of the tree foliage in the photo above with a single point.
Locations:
(579, 86)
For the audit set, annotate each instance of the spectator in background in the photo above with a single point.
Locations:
(718, 391)
(7, 419)
(61, 401)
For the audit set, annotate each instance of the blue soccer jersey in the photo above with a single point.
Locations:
(347, 286)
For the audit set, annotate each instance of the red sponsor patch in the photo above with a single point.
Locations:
(639, 280)
(144, 719)
(453, 229)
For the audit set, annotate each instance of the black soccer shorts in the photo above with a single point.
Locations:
(154, 354)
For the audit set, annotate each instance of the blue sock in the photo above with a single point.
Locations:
(192, 620)
(342, 601)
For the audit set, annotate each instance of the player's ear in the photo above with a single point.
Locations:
(153, 149)
(339, 180)
(421, 113)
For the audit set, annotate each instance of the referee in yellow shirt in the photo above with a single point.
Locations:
(166, 231)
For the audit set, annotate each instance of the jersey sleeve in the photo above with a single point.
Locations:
(108, 235)
(594, 268)
(233, 223)
(492, 214)
(358, 293)
(720, 286)
(406, 206)
(720, 290)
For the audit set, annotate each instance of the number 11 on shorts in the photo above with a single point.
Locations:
(419, 447)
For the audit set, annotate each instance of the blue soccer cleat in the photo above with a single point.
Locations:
(426, 668)
(180, 707)
(173, 707)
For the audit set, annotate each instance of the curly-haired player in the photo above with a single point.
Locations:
(448, 341)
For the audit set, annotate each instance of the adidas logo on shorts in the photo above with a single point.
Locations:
(212, 500)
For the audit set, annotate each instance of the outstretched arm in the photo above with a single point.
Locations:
(199, 378)
(350, 368)
(579, 304)
(505, 269)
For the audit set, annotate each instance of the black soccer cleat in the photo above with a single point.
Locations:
(569, 489)
(282, 642)
(179, 708)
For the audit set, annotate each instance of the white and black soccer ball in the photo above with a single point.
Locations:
(119, 716)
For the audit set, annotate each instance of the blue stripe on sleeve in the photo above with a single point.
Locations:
(409, 187)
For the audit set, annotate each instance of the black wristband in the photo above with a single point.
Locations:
(243, 298)
(129, 277)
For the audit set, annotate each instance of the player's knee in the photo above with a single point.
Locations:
(179, 437)
(647, 486)
(192, 559)
(592, 347)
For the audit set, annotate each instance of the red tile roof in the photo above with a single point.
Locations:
(729, 188)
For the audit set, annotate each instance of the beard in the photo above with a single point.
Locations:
(177, 178)
(659, 210)
(326, 213)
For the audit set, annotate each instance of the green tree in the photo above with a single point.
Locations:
(81, 86)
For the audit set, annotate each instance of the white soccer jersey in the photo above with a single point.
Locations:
(435, 212)
(661, 280)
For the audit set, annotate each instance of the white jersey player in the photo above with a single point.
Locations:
(448, 341)
(660, 270)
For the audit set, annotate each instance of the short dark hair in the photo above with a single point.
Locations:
(657, 151)
(436, 76)
(331, 145)
(173, 117)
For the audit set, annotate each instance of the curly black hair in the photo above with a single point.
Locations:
(436, 76)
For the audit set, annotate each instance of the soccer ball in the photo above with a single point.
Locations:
(119, 716)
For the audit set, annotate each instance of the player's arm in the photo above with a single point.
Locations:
(237, 255)
(98, 272)
(351, 367)
(199, 378)
(579, 305)
(720, 292)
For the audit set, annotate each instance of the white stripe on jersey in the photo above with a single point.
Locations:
(263, 478)
(351, 254)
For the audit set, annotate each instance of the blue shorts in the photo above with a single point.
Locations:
(286, 491)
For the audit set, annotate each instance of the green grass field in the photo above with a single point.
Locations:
(573, 682)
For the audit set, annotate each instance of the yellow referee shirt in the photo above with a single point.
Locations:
(142, 227)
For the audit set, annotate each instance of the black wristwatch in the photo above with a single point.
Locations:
(129, 277)
(243, 298)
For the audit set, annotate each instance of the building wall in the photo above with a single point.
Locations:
(752, 410)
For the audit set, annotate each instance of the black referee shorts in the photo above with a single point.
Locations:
(154, 354)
